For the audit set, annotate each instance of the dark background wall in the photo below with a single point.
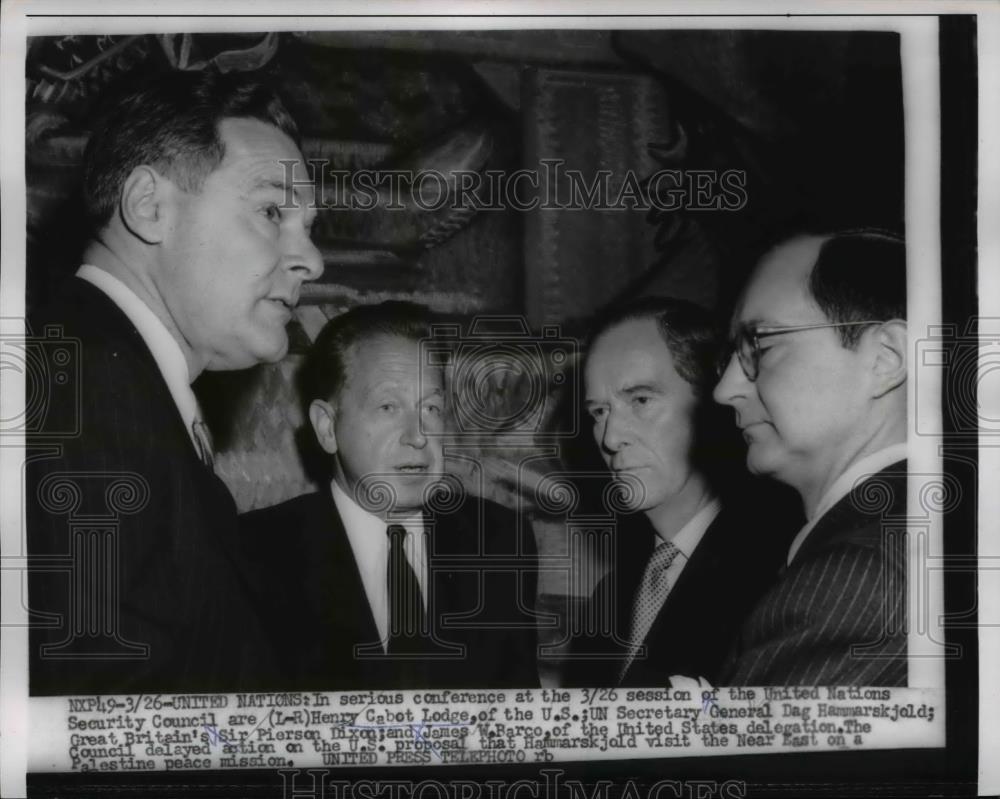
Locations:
(814, 120)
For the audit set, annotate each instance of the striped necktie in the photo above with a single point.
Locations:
(203, 443)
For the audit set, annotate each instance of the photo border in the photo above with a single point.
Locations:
(952, 769)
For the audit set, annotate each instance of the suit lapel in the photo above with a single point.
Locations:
(448, 535)
(636, 540)
(854, 510)
(690, 586)
(687, 594)
(117, 329)
(338, 590)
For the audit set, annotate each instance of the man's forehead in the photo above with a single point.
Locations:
(633, 351)
(261, 148)
(778, 289)
(630, 335)
(247, 136)
(389, 357)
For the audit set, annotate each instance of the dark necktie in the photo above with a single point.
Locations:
(407, 620)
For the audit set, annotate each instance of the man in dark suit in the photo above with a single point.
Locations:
(200, 209)
(687, 567)
(817, 376)
(391, 576)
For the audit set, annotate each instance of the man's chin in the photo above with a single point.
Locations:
(412, 491)
(271, 350)
(630, 495)
(761, 462)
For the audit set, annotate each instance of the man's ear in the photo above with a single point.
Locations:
(889, 368)
(323, 416)
(143, 203)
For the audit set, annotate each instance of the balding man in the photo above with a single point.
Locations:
(817, 376)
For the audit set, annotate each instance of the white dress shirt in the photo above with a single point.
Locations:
(689, 536)
(866, 467)
(162, 345)
(370, 544)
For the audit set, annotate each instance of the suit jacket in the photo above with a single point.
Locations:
(728, 571)
(316, 605)
(837, 615)
(136, 581)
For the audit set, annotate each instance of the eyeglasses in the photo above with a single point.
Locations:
(746, 345)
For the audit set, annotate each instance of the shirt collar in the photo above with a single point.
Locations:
(162, 345)
(842, 486)
(365, 530)
(689, 536)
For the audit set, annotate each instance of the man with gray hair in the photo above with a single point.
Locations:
(686, 569)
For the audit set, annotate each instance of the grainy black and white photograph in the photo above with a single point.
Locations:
(568, 405)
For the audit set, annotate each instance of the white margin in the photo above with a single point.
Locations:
(14, 725)
(988, 386)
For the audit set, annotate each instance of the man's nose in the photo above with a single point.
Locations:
(413, 434)
(616, 432)
(733, 383)
(303, 257)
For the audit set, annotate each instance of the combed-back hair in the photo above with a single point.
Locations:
(693, 337)
(860, 275)
(325, 369)
(171, 123)
(690, 332)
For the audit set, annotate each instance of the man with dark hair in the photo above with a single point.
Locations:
(817, 377)
(391, 576)
(172, 125)
(200, 246)
(686, 570)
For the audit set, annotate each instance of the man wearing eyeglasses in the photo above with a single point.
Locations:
(816, 374)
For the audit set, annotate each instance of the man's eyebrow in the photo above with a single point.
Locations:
(302, 199)
(268, 183)
(628, 391)
(434, 392)
(642, 388)
(280, 185)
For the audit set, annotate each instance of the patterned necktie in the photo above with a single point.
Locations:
(406, 606)
(203, 443)
(649, 599)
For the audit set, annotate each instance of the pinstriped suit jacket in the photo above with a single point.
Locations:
(183, 614)
(837, 614)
